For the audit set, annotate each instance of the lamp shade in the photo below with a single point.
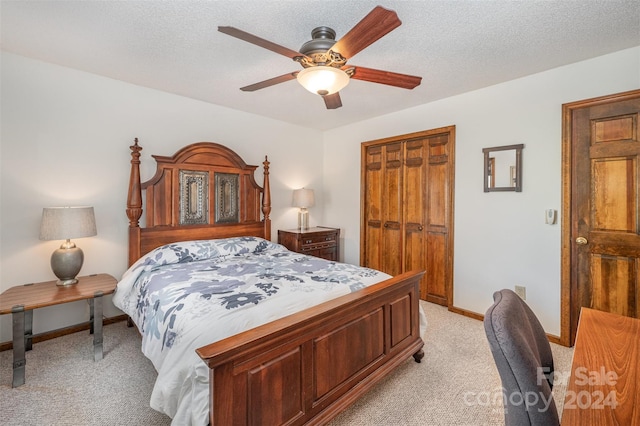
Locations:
(303, 198)
(323, 80)
(63, 223)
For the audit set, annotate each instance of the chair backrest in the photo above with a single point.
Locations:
(523, 356)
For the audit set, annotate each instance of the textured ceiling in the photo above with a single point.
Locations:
(455, 46)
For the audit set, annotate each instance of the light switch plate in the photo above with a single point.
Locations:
(550, 216)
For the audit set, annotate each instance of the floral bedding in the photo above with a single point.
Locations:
(185, 295)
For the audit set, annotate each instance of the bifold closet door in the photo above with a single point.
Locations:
(407, 208)
(437, 284)
(382, 208)
(414, 218)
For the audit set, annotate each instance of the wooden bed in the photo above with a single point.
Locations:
(304, 368)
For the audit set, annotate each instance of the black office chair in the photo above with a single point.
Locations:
(523, 356)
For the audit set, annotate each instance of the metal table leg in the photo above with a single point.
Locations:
(91, 315)
(28, 329)
(96, 322)
(19, 344)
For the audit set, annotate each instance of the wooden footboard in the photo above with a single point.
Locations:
(308, 367)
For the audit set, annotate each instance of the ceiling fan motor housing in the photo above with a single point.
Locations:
(323, 38)
(319, 50)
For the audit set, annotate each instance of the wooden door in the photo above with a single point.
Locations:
(601, 230)
(382, 207)
(392, 209)
(407, 208)
(416, 154)
(438, 281)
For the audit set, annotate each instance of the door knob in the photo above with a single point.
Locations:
(581, 241)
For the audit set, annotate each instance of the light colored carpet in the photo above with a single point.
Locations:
(456, 383)
(64, 386)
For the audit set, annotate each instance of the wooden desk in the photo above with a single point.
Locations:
(604, 388)
(20, 301)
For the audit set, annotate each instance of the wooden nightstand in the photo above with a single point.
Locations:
(319, 241)
(20, 301)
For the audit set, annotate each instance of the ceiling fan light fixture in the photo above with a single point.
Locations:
(323, 80)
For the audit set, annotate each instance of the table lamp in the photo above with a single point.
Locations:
(303, 198)
(64, 223)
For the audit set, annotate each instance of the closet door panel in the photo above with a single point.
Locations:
(437, 280)
(436, 276)
(373, 180)
(433, 288)
(437, 197)
(415, 164)
(392, 209)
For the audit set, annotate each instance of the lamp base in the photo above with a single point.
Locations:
(67, 282)
(66, 263)
(303, 219)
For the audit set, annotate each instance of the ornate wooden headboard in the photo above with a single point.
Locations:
(204, 191)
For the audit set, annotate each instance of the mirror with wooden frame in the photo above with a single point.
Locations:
(503, 168)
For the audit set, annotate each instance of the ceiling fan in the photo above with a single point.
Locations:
(324, 60)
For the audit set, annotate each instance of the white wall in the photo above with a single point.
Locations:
(500, 238)
(65, 141)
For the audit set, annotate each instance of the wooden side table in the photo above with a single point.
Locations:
(20, 301)
(318, 241)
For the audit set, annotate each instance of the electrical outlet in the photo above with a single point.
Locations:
(521, 291)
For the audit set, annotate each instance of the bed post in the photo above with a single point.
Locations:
(266, 200)
(134, 203)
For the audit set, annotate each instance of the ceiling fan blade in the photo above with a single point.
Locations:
(271, 82)
(377, 23)
(332, 101)
(403, 81)
(243, 35)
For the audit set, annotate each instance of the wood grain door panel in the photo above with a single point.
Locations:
(601, 241)
(438, 280)
(612, 225)
(392, 210)
(415, 164)
(614, 280)
(437, 275)
(614, 190)
(372, 209)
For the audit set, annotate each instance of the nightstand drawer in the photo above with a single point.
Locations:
(319, 241)
(317, 246)
(320, 238)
